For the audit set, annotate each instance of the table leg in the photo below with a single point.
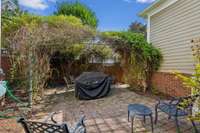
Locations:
(151, 122)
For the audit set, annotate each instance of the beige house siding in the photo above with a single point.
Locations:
(172, 30)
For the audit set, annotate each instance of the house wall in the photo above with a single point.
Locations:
(171, 30)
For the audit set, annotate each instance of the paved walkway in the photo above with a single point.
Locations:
(106, 115)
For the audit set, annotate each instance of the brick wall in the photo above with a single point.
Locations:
(168, 84)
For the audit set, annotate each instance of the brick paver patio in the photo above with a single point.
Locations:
(106, 115)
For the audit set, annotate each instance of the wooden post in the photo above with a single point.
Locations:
(30, 78)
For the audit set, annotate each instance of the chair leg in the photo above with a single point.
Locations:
(177, 125)
(151, 117)
(195, 128)
(132, 122)
(156, 114)
(128, 116)
(144, 118)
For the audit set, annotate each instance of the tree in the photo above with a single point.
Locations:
(137, 27)
(78, 10)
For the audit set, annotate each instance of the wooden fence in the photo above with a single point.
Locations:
(114, 70)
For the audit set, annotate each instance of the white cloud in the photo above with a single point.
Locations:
(34, 4)
(145, 1)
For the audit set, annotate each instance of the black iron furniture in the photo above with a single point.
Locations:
(139, 110)
(176, 108)
(54, 127)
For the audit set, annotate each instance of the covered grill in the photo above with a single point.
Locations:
(92, 85)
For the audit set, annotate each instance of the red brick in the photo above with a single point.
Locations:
(169, 84)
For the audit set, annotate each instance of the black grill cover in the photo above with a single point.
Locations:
(92, 85)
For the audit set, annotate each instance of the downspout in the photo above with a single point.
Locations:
(148, 28)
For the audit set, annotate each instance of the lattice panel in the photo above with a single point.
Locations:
(37, 127)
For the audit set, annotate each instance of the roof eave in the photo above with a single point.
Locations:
(145, 12)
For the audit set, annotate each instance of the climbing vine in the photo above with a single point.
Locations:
(140, 59)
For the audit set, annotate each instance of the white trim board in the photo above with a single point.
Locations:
(161, 7)
(156, 7)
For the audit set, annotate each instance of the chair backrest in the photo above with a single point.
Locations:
(40, 127)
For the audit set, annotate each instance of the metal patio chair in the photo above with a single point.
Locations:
(174, 108)
(53, 127)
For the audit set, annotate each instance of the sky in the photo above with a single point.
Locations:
(114, 15)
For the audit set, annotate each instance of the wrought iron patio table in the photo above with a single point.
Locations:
(139, 110)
